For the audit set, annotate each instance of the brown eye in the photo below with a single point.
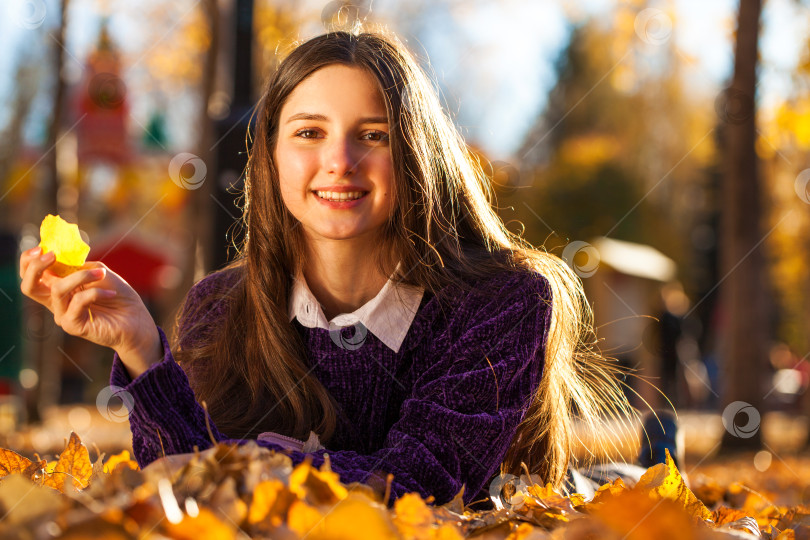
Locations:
(376, 136)
(307, 134)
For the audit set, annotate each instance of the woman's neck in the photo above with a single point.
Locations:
(343, 274)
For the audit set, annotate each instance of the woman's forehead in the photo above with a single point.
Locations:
(338, 89)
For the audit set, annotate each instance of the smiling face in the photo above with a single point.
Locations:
(332, 145)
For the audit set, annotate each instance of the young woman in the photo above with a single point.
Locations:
(378, 310)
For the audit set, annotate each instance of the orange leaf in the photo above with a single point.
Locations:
(355, 517)
(271, 498)
(664, 481)
(12, 462)
(118, 459)
(635, 515)
(73, 463)
(204, 526)
(316, 486)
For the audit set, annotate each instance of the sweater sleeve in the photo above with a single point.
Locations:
(453, 430)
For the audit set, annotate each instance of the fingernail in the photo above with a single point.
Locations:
(47, 256)
(97, 273)
(35, 251)
(108, 292)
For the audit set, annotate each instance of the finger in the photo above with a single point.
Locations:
(77, 314)
(31, 285)
(61, 288)
(26, 257)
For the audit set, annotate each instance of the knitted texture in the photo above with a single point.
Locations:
(439, 414)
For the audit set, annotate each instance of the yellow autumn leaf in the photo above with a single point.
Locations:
(64, 240)
(412, 518)
(271, 498)
(205, 526)
(664, 481)
(316, 486)
(72, 468)
(117, 459)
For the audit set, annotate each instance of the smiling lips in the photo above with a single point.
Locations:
(338, 196)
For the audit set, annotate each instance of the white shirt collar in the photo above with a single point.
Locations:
(388, 315)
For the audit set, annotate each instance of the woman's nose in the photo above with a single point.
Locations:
(341, 158)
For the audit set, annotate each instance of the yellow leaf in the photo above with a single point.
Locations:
(413, 518)
(64, 240)
(205, 526)
(316, 486)
(664, 481)
(118, 459)
(73, 464)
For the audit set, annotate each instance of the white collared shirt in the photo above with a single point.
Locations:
(388, 315)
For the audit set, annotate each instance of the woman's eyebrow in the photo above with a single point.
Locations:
(322, 118)
(307, 116)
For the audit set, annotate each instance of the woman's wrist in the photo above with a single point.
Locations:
(140, 358)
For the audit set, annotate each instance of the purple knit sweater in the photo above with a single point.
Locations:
(438, 414)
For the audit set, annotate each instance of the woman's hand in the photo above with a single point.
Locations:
(119, 318)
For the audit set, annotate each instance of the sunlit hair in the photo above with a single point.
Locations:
(443, 230)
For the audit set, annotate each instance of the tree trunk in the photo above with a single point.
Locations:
(744, 290)
(198, 213)
(44, 350)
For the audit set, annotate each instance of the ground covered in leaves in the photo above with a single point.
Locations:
(251, 492)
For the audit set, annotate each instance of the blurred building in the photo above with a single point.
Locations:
(626, 294)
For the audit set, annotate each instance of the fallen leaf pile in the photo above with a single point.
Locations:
(229, 492)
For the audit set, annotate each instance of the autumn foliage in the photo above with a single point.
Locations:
(233, 491)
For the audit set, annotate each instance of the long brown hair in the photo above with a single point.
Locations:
(444, 231)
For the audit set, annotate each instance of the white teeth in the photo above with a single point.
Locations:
(334, 196)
